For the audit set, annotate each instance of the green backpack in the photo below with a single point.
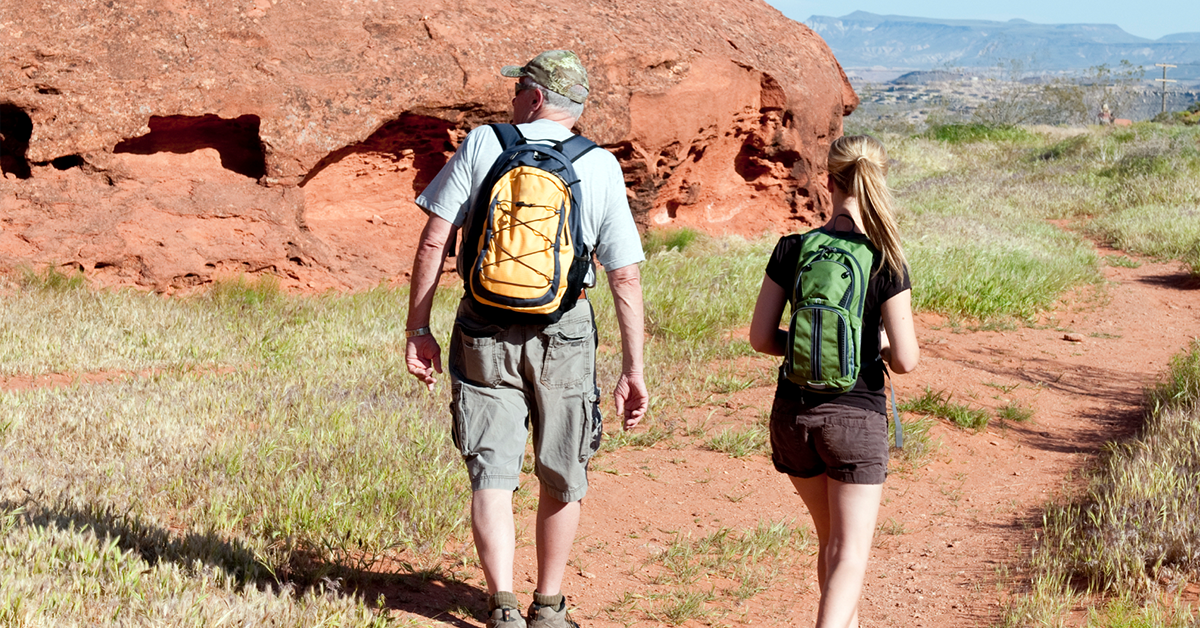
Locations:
(825, 335)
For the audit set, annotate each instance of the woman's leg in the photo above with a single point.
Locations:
(814, 493)
(847, 514)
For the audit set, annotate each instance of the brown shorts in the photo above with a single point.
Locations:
(846, 443)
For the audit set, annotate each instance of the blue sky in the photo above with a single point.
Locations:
(1144, 19)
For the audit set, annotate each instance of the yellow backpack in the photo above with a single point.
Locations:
(525, 261)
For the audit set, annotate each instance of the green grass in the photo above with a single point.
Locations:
(247, 439)
(972, 212)
(937, 404)
(740, 442)
(1122, 261)
(687, 328)
(51, 279)
(978, 132)
(1014, 412)
(1158, 231)
(976, 254)
(659, 240)
(917, 442)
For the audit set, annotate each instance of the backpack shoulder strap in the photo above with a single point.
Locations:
(508, 135)
(575, 147)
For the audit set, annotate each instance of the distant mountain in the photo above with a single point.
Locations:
(1187, 38)
(861, 40)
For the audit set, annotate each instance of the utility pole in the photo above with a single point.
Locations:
(1164, 80)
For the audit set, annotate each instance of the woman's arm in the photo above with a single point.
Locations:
(765, 334)
(899, 347)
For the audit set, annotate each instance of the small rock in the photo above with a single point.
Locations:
(1073, 337)
(587, 574)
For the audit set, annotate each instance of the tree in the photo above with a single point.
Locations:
(1027, 98)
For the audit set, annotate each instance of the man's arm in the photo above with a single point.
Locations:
(630, 394)
(423, 354)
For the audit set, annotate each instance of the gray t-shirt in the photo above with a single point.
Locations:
(606, 221)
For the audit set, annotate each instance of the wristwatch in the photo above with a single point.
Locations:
(420, 331)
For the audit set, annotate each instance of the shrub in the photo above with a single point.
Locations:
(658, 240)
(979, 132)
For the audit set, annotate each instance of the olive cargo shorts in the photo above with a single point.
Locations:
(506, 380)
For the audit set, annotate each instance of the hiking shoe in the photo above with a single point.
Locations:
(504, 613)
(550, 616)
(505, 617)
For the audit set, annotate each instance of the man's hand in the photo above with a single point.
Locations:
(423, 355)
(632, 399)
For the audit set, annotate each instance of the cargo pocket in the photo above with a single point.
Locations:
(570, 352)
(456, 420)
(854, 440)
(592, 430)
(477, 355)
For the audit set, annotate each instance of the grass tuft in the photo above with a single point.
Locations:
(658, 240)
(1014, 413)
(937, 404)
(707, 576)
(740, 442)
(51, 279)
(979, 132)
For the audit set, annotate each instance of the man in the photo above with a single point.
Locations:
(507, 379)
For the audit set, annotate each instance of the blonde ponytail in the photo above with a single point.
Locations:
(858, 165)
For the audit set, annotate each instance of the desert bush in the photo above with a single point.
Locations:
(1192, 115)
(1069, 147)
(1189, 116)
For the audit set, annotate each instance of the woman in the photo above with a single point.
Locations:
(834, 447)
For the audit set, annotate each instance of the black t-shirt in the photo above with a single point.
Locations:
(883, 285)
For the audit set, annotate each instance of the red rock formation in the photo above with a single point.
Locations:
(162, 143)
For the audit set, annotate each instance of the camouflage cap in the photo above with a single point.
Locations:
(560, 71)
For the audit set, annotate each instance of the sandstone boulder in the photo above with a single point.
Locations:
(163, 143)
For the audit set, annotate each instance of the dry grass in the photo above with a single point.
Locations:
(1134, 534)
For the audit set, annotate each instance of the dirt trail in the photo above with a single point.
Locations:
(954, 532)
